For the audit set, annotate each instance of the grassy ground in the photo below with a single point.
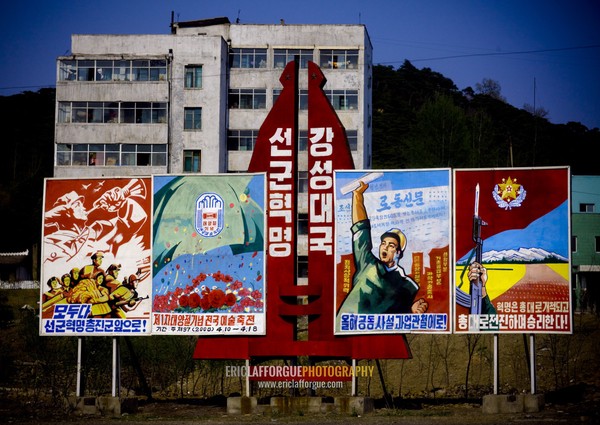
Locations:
(567, 366)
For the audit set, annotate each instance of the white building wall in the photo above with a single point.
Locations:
(208, 46)
(210, 52)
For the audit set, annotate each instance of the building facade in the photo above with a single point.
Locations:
(194, 100)
(585, 241)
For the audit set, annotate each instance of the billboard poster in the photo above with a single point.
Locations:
(392, 247)
(512, 250)
(208, 268)
(96, 270)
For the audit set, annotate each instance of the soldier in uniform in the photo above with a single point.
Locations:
(380, 285)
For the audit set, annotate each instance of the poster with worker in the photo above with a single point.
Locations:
(512, 250)
(208, 265)
(392, 247)
(96, 257)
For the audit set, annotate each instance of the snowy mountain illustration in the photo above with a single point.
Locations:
(522, 255)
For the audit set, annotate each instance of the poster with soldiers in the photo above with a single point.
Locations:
(512, 250)
(392, 251)
(208, 263)
(96, 270)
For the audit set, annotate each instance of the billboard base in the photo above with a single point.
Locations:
(288, 405)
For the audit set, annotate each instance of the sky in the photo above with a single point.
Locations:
(544, 53)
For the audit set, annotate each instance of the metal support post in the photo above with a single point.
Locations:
(354, 379)
(78, 389)
(532, 362)
(496, 363)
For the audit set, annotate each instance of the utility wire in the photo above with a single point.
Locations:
(521, 52)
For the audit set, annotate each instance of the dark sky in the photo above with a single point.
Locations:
(545, 53)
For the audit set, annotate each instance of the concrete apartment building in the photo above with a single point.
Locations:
(194, 100)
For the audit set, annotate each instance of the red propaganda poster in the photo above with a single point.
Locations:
(512, 250)
(393, 264)
(96, 257)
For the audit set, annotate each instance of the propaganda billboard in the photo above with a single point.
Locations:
(393, 266)
(96, 270)
(208, 266)
(512, 250)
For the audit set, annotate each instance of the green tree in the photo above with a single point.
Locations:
(490, 88)
(440, 136)
(398, 96)
(482, 151)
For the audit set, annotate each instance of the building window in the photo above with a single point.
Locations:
(88, 112)
(352, 136)
(281, 57)
(192, 119)
(113, 70)
(248, 58)
(104, 70)
(193, 76)
(148, 70)
(107, 155)
(597, 240)
(302, 181)
(339, 59)
(85, 70)
(586, 208)
(302, 140)
(122, 71)
(303, 266)
(573, 243)
(241, 140)
(112, 112)
(103, 155)
(67, 70)
(303, 224)
(138, 155)
(191, 161)
(143, 113)
(302, 98)
(247, 99)
(343, 100)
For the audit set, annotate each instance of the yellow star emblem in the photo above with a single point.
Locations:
(508, 189)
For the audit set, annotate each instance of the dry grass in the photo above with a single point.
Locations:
(438, 369)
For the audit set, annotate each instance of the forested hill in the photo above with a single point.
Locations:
(421, 120)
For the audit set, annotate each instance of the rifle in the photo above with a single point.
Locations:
(476, 285)
(134, 299)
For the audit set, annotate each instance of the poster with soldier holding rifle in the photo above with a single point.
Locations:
(512, 237)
